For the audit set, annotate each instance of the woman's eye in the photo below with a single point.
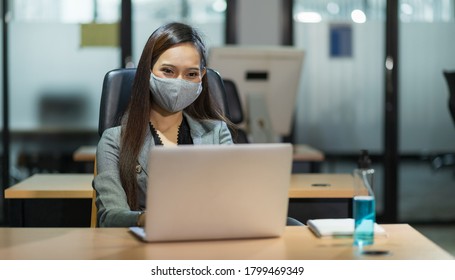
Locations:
(167, 71)
(193, 75)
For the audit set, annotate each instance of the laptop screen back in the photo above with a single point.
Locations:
(217, 191)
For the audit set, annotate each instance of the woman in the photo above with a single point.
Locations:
(170, 105)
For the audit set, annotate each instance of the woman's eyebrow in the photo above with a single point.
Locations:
(167, 64)
(195, 68)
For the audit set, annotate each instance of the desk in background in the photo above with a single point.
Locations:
(52, 186)
(303, 154)
(69, 191)
(318, 196)
(85, 153)
(403, 243)
(306, 158)
(66, 197)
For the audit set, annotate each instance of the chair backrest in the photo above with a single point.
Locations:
(450, 78)
(233, 102)
(235, 110)
(116, 93)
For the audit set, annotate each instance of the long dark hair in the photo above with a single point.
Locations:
(136, 119)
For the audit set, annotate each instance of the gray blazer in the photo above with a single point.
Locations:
(113, 209)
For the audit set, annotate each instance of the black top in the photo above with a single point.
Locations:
(183, 134)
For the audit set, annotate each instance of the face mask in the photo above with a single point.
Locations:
(173, 95)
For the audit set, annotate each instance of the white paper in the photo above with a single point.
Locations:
(337, 227)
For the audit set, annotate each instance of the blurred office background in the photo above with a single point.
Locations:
(54, 73)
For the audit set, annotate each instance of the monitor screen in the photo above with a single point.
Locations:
(267, 79)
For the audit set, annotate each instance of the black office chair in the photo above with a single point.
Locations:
(116, 93)
(443, 160)
(235, 110)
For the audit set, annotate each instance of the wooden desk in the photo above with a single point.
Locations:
(403, 243)
(52, 186)
(80, 186)
(307, 199)
(85, 153)
(69, 194)
(307, 153)
(321, 186)
(302, 153)
(306, 159)
(320, 195)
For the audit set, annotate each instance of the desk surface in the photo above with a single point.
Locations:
(80, 186)
(301, 153)
(53, 186)
(403, 242)
(85, 153)
(307, 153)
(321, 186)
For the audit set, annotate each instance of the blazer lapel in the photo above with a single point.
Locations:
(144, 154)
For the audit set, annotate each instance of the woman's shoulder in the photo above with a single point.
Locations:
(112, 131)
(111, 136)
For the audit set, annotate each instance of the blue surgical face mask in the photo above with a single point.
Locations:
(173, 95)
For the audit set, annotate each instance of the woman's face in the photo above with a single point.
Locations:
(181, 61)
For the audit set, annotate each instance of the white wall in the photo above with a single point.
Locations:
(259, 22)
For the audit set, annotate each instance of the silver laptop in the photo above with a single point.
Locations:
(217, 192)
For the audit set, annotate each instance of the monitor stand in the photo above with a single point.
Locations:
(259, 122)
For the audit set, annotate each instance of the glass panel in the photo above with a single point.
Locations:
(340, 104)
(342, 94)
(207, 15)
(340, 107)
(66, 11)
(56, 81)
(426, 11)
(427, 45)
(2, 201)
(329, 10)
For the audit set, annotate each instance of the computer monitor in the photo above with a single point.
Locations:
(268, 79)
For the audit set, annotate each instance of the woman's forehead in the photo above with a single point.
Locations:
(181, 54)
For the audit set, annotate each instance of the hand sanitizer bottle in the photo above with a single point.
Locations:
(364, 208)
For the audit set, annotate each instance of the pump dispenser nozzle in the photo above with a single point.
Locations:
(364, 161)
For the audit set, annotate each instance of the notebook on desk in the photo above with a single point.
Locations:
(217, 192)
